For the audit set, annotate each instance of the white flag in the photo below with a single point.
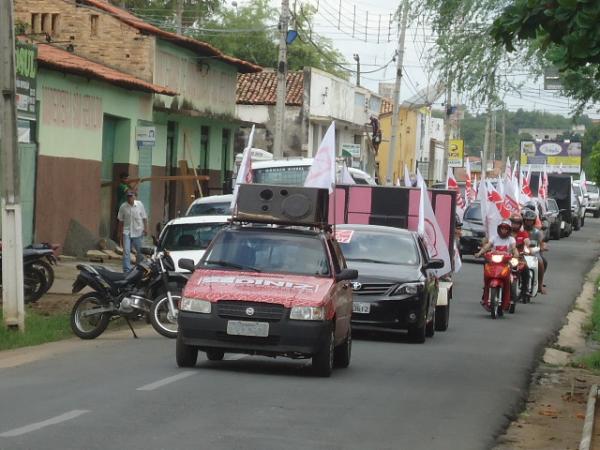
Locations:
(322, 171)
(407, 180)
(420, 179)
(244, 174)
(508, 169)
(582, 181)
(457, 261)
(432, 234)
(345, 177)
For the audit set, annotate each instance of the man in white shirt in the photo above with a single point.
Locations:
(133, 225)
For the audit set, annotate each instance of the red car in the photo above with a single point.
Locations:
(273, 291)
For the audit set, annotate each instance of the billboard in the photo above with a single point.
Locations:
(26, 74)
(456, 153)
(555, 155)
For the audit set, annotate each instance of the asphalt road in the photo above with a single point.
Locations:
(455, 392)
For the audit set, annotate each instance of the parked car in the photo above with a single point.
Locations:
(473, 232)
(555, 219)
(592, 196)
(583, 201)
(395, 289)
(189, 237)
(213, 205)
(578, 212)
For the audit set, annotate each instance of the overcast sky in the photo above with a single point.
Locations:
(355, 22)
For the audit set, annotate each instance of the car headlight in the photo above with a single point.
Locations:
(195, 305)
(467, 233)
(408, 289)
(307, 313)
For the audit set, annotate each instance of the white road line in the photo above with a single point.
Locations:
(165, 381)
(46, 423)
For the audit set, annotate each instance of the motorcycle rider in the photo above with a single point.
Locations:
(536, 236)
(522, 240)
(502, 242)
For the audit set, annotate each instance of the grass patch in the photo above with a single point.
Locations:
(591, 361)
(39, 329)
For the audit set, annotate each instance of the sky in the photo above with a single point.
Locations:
(363, 27)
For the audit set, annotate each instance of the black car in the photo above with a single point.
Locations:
(473, 232)
(554, 217)
(396, 289)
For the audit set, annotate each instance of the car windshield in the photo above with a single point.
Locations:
(189, 236)
(591, 188)
(268, 250)
(552, 206)
(379, 247)
(210, 209)
(282, 176)
(473, 213)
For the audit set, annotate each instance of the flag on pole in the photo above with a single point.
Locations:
(490, 212)
(452, 185)
(429, 228)
(498, 200)
(322, 171)
(407, 180)
(541, 188)
(511, 202)
(582, 181)
(475, 189)
(469, 191)
(420, 179)
(508, 169)
(515, 172)
(545, 181)
(345, 177)
(244, 175)
(526, 189)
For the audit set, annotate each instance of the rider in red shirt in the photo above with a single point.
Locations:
(521, 236)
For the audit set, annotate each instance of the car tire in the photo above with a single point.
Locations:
(214, 354)
(577, 224)
(322, 361)
(186, 355)
(343, 353)
(557, 234)
(583, 221)
(430, 327)
(442, 317)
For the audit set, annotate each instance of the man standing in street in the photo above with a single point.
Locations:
(133, 225)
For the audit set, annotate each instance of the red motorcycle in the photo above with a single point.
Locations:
(501, 286)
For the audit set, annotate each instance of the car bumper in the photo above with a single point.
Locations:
(394, 314)
(286, 337)
(470, 245)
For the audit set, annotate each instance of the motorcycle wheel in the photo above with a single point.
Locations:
(48, 272)
(34, 284)
(92, 326)
(494, 292)
(160, 317)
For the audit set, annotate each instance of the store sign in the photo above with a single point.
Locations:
(26, 74)
(456, 153)
(145, 136)
(352, 150)
(554, 155)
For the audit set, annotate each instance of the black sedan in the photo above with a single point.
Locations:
(472, 233)
(395, 289)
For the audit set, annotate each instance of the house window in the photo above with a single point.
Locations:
(47, 23)
(94, 24)
(55, 23)
(36, 23)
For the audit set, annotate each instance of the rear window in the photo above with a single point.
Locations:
(193, 236)
(268, 251)
(552, 206)
(473, 213)
(210, 209)
(380, 248)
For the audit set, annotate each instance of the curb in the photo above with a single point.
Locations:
(588, 426)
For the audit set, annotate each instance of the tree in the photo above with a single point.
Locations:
(561, 33)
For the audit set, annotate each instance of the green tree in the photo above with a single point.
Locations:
(593, 166)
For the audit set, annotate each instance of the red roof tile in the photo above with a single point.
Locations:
(261, 88)
(193, 44)
(58, 59)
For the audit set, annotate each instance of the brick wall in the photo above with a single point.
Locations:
(95, 34)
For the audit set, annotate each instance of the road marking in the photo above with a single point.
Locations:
(46, 423)
(165, 381)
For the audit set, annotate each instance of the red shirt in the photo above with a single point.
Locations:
(520, 238)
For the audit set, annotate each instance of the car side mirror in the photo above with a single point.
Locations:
(186, 264)
(347, 274)
(148, 251)
(435, 264)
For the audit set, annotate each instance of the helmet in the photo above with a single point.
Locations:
(516, 218)
(503, 226)
(528, 214)
(531, 206)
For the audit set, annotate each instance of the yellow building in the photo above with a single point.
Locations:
(406, 142)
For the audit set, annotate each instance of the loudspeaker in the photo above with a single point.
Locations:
(282, 204)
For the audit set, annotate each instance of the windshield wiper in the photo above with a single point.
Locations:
(369, 260)
(233, 265)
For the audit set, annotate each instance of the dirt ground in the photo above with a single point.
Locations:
(51, 304)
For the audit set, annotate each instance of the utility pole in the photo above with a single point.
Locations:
(493, 134)
(503, 142)
(279, 138)
(447, 127)
(486, 145)
(179, 17)
(12, 243)
(396, 108)
(357, 59)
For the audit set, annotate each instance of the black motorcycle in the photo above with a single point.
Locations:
(116, 294)
(38, 274)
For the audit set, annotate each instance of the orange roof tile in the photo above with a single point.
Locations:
(193, 44)
(261, 88)
(58, 59)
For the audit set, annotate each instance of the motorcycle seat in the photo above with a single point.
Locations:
(110, 275)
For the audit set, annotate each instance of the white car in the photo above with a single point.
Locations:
(592, 196)
(213, 205)
(189, 237)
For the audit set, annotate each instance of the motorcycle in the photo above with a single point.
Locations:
(116, 294)
(500, 270)
(36, 279)
(531, 281)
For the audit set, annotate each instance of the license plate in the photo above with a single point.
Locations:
(562, 225)
(240, 328)
(361, 308)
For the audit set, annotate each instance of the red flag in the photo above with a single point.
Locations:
(495, 197)
(452, 185)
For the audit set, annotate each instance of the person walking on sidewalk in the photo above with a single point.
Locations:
(133, 225)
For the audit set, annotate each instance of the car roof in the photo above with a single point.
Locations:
(379, 228)
(198, 219)
(213, 199)
(282, 163)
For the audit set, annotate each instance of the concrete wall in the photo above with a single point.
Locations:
(405, 144)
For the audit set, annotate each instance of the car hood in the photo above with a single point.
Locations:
(283, 289)
(194, 255)
(385, 273)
